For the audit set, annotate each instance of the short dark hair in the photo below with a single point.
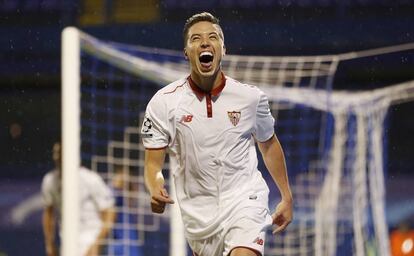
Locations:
(203, 16)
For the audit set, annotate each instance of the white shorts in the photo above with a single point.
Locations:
(247, 229)
(86, 240)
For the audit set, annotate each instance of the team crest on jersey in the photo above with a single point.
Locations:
(234, 117)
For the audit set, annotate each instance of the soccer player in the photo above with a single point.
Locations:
(96, 207)
(210, 122)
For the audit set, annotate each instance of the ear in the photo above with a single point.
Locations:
(224, 50)
(185, 54)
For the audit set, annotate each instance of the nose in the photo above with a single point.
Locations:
(205, 42)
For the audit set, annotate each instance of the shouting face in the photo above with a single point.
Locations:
(204, 48)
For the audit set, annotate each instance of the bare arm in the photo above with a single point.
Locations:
(49, 230)
(275, 163)
(108, 218)
(154, 180)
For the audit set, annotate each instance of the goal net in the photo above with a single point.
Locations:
(333, 142)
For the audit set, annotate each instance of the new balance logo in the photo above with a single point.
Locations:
(252, 197)
(258, 241)
(186, 118)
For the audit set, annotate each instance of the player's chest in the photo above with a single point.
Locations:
(214, 115)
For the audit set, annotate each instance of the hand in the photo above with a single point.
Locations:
(93, 250)
(282, 216)
(52, 251)
(159, 199)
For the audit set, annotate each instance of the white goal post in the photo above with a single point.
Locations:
(70, 139)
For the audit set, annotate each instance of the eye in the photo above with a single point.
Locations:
(214, 37)
(195, 38)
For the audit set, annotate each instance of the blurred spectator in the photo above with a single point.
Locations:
(96, 208)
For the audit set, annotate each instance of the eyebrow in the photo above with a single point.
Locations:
(209, 33)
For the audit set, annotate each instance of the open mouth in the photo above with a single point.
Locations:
(206, 59)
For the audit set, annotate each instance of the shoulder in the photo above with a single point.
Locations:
(91, 178)
(87, 176)
(87, 173)
(167, 96)
(50, 182)
(248, 90)
(172, 89)
(49, 178)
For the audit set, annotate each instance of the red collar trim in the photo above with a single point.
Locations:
(200, 93)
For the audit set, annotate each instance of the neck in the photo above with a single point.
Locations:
(207, 83)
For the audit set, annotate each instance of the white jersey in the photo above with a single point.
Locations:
(94, 196)
(212, 150)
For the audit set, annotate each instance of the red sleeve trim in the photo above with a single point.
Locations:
(156, 148)
(175, 89)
